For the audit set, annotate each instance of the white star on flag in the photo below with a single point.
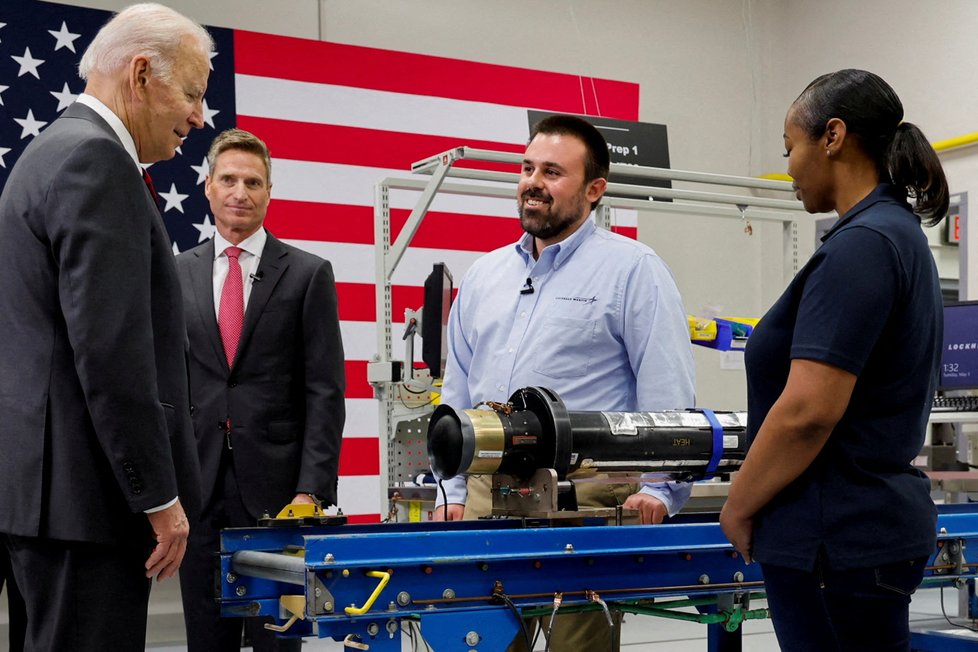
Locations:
(2, 89)
(31, 126)
(176, 249)
(206, 229)
(2, 25)
(65, 97)
(28, 64)
(65, 38)
(3, 150)
(202, 171)
(209, 60)
(209, 114)
(173, 198)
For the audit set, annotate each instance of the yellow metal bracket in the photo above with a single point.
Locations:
(295, 605)
(384, 579)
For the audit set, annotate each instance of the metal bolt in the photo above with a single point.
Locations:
(404, 598)
(704, 579)
(328, 606)
(430, 607)
(329, 559)
(240, 591)
(231, 578)
(391, 606)
(569, 547)
(448, 594)
(738, 577)
(318, 592)
(373, 629)
(472, 638)
(392, 627)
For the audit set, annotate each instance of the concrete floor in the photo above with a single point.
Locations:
(639, 633)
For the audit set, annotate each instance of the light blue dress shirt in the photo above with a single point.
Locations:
(604, 327)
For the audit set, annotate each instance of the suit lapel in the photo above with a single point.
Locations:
(274, 262)
(202, 277)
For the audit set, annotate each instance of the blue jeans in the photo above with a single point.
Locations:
(864, 609)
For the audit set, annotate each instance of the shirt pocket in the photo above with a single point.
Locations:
(564, 348)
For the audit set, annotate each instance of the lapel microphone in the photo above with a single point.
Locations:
(256, 277)
(528, 288)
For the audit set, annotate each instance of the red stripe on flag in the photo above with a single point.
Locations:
(357, 301)
(360, 456)
(267, 55)
(627, 231)
(395, 150)
(356, 380)
(296, 220)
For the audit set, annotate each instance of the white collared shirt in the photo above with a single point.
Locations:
(114, 122)
(252, 248)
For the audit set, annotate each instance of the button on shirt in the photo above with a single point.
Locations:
(251, 250)
(604, 327)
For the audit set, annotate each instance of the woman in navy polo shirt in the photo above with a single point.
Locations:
(840, 375)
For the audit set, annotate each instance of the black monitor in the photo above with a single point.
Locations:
(959, 357)
(434, 321)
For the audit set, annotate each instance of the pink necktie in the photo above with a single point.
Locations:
(230, 314)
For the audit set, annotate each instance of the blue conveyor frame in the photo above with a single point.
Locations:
(444, 576)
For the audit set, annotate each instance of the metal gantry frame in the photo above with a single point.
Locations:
(440, 167)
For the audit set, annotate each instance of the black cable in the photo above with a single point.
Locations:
(444, 496)
(519, 618)
(949, 622)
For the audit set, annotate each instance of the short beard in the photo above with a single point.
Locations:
(552, 223)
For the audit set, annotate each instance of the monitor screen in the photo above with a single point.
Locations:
(959, 358)
(434, 320)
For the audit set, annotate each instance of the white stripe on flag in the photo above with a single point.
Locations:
(283, 99)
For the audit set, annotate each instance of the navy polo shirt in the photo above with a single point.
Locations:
(868, 302)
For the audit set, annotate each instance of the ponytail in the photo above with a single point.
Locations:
(912, 163)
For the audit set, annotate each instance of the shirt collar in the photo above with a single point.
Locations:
(561, 250)
(884, 192)
(114, 122)
(254, 244)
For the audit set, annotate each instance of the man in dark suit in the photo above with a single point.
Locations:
(266, 378)
(98, 465)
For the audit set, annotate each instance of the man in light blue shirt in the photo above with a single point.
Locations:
(588, 313)
(593, 315)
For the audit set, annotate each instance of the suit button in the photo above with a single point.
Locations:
(193, 410)
(233, 383)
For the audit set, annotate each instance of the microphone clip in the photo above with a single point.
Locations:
(528, 287)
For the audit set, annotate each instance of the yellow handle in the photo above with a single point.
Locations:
(295, 605)
(384, 579)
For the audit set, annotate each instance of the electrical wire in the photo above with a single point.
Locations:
(519, 618)
(558, 598)
(594, 597)
(949, 621)
(444, 496)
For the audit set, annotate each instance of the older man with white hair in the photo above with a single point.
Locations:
(99, 465)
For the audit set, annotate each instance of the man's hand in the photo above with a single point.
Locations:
(740, 532)
(651, 510)
(171, 529)
(303, 499)
(449, 512)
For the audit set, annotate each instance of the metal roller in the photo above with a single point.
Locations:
(534, 431)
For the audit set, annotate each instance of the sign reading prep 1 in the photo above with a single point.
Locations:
(631, 143)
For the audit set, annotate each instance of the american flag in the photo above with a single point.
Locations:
(337, 119)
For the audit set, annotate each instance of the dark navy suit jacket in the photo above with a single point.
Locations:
(94, 403)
